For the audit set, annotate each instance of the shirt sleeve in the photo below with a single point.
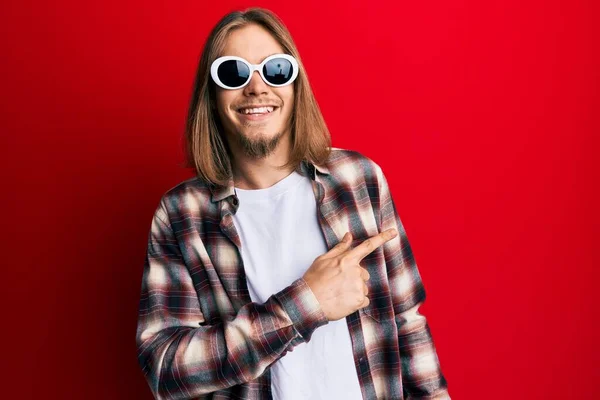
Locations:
(421, 372)
(181, 355)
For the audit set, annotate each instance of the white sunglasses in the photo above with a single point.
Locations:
(231, 72)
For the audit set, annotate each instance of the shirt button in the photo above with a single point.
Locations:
(362, 360)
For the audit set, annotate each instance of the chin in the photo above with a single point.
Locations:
(259, 133)
(260, 144)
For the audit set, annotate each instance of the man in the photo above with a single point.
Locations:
(282, 270)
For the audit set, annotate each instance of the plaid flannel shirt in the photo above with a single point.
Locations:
(199, 335)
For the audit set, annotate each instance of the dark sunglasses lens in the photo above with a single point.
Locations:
(278, 71)
(233, 73)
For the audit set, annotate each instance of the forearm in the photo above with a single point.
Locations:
(421, 373)
(182, 354)
(182, 362)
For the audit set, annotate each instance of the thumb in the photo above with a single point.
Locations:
(342, 246)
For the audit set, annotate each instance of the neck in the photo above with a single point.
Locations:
(252, 173)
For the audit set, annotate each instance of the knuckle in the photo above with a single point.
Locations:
(360, 300)
(366, 274)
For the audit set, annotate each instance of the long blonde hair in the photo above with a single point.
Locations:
(206, 148)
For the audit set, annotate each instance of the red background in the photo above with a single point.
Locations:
(483, 115)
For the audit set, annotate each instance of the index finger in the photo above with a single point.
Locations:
(366, 247)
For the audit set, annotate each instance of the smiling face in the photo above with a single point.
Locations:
(256, 117)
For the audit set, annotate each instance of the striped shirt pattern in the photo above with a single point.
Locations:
(199, 335)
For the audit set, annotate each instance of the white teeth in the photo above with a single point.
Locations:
(258, 110)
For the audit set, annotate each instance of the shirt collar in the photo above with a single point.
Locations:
(220, 192)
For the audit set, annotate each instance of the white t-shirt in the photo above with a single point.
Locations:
(281, 237)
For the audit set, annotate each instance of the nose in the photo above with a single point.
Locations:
(256, 86)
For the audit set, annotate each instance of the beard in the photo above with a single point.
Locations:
(259, 147)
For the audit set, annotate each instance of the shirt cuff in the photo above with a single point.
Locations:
(303, 308)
